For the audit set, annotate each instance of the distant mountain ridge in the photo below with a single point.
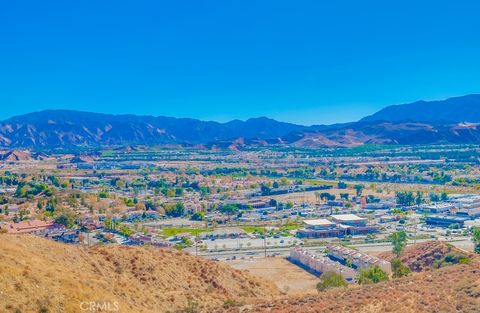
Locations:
(454, 120)
(54, 128)
(456, 109)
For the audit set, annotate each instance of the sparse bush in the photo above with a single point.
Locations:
(476, 239)
(331, 280)
(43, 310)
(192, 307)
(399, 269)
(230, 303)
(372, 275)
(451, 259)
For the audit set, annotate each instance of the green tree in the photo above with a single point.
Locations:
(342, 185)
(331, 280)
(476, 239)
(444, 196)
(399, 241)
(125, 230)
(176, 210)
(171, 193)
(108, 223)
(66, 218)
(419, 198)
(405, 198)
(23, 213)
(198, 216)
(265, 190)
(434, 197)
(358, 189)
(399, 269)
(229, 209)
(371, 275)
(179, 192)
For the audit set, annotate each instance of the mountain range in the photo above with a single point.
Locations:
(454, 120)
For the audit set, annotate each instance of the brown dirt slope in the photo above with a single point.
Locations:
(450, 289)
(37, 274)
(454, 288)
(422, 256)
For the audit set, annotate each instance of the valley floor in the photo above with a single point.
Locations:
(288, 277)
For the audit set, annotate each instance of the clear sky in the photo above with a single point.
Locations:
(309, 62)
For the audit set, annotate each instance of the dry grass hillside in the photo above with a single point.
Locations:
(423, 256)
(37, 275)
(453, 288)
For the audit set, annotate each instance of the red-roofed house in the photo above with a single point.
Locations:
(36, 227)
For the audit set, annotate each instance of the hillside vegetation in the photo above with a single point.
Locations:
(37, 275)
(451, 288)
(427, 255)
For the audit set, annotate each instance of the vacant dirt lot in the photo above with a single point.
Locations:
(288, 277)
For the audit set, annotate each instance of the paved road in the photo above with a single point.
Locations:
(462, 243)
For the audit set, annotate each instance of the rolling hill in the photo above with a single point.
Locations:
(39, 275)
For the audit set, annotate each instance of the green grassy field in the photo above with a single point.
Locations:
(252, 229)
(172, 231)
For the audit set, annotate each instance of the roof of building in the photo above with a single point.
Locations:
(438, 205)
(318, 222)
(29, 226)
(355, 255)
(347, 217)
(448, 218)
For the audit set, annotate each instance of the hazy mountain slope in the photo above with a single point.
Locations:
(421, 122)
(36, 273)
(405, 133)
(262, 127)
(56, 128)
(457, 109)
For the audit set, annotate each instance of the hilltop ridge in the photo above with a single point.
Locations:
(38, 273)
(453, 110)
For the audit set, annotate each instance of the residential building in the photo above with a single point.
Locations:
(36, 227)
(320, 264)
(356, 258)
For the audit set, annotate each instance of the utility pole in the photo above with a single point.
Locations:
(265, 239)
(197, 241)
(412, 213)
(415, 231)
(303, 195)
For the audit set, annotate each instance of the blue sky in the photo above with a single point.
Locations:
(309, 62)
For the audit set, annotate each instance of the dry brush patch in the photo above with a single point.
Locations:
(454, 288)
(36, 273)
(423, 256)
